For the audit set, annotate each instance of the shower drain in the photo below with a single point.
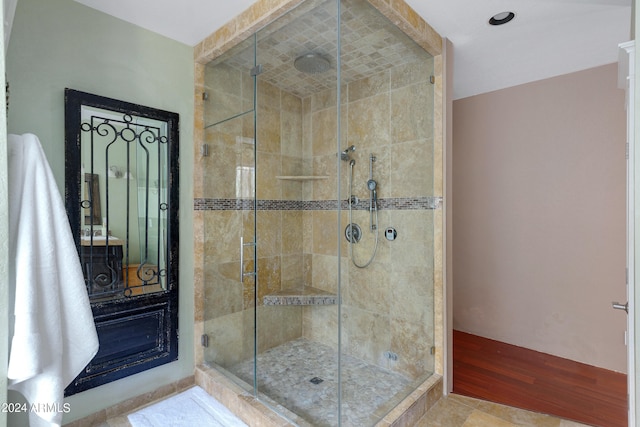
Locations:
(316, 380)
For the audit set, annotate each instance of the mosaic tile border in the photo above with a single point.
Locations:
(392, 203)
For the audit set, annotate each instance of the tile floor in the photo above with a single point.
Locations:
(455, 411)
(289, 376)
(461, 411)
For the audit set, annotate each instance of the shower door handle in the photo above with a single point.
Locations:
(242, 273)
(241, 259)
(618, 306)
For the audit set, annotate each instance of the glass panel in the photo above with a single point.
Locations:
(297, 311)
(228, 85)
(387, 294)
(125, 203)
(229, 191)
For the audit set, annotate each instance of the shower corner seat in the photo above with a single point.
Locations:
(301, 295)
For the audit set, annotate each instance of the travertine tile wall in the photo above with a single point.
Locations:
(387, 306)
(370, 325)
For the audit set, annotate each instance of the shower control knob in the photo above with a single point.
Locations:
(390, 233)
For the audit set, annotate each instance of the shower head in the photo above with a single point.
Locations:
(312, 63)
(344, 155)
(372, 185)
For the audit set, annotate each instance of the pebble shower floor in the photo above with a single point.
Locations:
(302, 376)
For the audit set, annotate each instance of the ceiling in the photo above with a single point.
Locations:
(547, 37)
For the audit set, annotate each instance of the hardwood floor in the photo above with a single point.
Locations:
(515, 376)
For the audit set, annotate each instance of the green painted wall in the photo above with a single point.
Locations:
(59, 44)
(4, 242)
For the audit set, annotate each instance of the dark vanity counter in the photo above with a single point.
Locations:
(101, 241)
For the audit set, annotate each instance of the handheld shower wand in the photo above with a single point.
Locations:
(373, 195)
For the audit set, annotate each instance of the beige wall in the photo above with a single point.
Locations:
(539, 216)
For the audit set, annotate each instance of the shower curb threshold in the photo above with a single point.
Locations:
(254, 412)
(301, 295)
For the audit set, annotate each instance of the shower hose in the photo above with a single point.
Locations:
(374, 206)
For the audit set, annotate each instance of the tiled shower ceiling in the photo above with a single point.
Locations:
(369, 44)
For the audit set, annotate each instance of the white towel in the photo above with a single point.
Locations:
(54, 335)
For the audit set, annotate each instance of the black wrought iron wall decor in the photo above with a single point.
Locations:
(124, 217)
(135, 210)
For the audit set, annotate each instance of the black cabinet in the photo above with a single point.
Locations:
(102, 267)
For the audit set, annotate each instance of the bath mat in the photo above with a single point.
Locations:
(193, 407)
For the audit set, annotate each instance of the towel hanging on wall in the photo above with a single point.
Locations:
(54, 336)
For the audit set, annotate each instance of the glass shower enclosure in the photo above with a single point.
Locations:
(317, 214)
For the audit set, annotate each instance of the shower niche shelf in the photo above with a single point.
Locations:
(301, 295)
(302, 177)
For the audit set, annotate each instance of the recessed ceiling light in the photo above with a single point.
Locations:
(501, 18)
